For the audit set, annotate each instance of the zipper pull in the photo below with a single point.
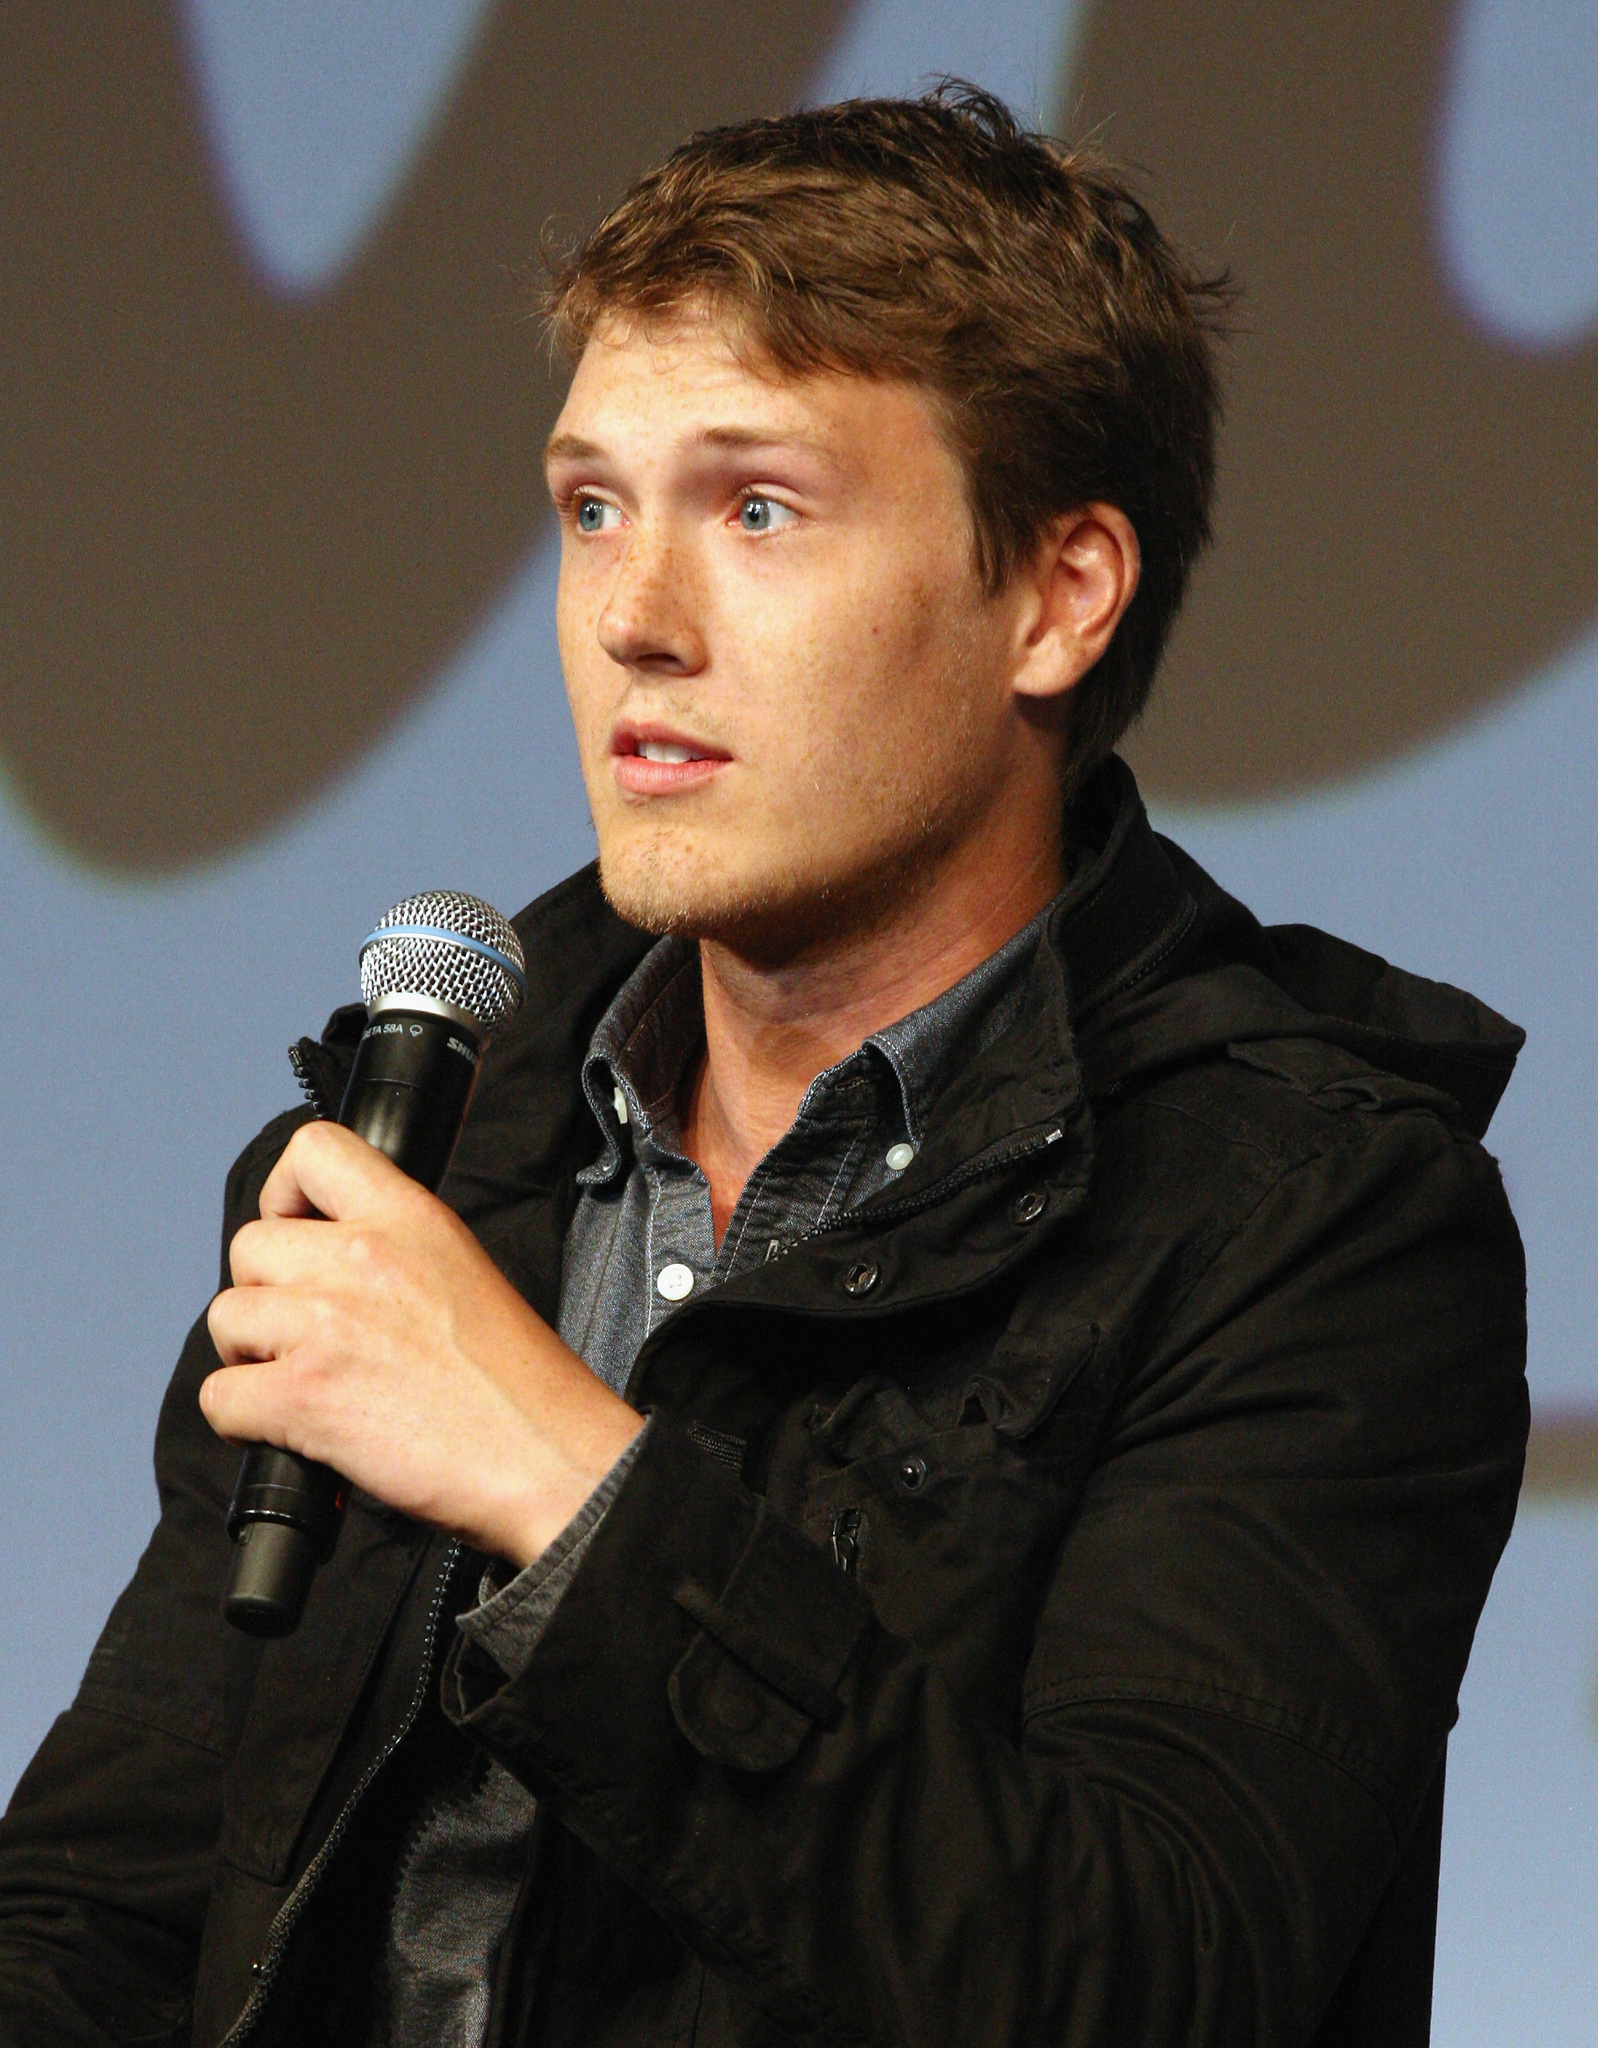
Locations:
(846, 1540)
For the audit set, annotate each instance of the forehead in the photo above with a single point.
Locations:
(694, 374)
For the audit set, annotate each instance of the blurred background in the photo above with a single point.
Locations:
(276, 645)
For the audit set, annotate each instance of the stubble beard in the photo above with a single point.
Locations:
(791, 909)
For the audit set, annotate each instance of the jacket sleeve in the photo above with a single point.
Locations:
(1244, 1672)
(107, 1849)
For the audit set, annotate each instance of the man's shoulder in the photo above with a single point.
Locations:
(1287, 1016)
(1287, 1095)
(1277, 1088)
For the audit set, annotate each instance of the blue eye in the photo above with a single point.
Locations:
(759, 515)
(591, 515)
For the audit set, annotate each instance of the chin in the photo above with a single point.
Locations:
(675, 889)
(771, 915)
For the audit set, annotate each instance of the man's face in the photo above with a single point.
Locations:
(791, 693)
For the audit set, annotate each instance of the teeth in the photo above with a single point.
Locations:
(658, 750)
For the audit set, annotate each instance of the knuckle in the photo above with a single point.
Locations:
(372, 1254)
(312, 1147)
(300, 1145)
(324, 1320)
(364, 1248)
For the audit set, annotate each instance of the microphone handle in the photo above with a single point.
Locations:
(407, 1095)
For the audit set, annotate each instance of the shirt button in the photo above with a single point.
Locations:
(675, 1282)
(620, 1100)
(899, 1157)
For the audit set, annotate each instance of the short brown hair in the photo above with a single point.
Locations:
(1069, 346)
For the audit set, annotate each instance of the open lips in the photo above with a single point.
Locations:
(651, 761)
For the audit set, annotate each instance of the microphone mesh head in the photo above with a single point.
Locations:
(449, 947)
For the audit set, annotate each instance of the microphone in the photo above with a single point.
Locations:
(440, 975)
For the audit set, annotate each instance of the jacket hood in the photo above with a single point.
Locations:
(1230, 982)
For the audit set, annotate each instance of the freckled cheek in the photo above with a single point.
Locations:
(593, 683)
(845, 678)
(843, 745)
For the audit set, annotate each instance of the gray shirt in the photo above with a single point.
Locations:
(641, 1244)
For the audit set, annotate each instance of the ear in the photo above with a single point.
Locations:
(1074, 590)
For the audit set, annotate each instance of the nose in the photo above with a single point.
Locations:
(650, 620)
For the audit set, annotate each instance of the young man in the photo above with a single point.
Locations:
(932, 1476)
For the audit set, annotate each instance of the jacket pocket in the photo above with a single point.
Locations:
(950, 1536)
(946, 1494)
(764, 1667)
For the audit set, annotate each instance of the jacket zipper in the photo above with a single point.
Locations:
(308, 1086)
(268, 1963)
(846, 1540)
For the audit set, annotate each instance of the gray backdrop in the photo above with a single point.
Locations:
(276, 646)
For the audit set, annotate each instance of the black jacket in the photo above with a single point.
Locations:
(1037, 1613)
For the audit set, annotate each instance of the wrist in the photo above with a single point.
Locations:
(562, 1488)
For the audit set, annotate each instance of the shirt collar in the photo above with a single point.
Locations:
(635, 1061)
(636, 1057)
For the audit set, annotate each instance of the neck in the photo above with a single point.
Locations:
(771, 1028)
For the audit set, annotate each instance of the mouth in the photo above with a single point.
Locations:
(650, 760)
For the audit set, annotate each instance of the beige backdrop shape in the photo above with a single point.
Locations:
(240, 533)
(1409, 509)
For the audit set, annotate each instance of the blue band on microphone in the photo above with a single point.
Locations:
(448, 938)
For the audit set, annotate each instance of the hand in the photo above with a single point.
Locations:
(368, 1329)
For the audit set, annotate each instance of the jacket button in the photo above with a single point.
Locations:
(1029, 1207)
(912, 1473)
(861, 1277)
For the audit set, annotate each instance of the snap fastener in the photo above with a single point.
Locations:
(1028, 1207)
(861, 1277)
(912, 1473)
(898, 1157)
(675, 1282)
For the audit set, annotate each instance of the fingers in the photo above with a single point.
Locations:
(226, 1403)
(266, 1339)
(252, 1404)
(326, 1170)
(251, 1323)
(280, 1253)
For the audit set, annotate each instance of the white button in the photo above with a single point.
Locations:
(620, 1101)
(675, 1282)
(900, 1156)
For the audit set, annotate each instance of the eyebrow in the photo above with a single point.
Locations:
(569, 447)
